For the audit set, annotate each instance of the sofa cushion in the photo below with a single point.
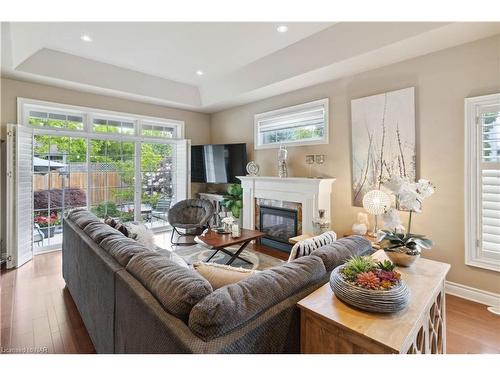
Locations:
(171, 255)
(233, 305)
(338, 252)
(177, 288)
(99, 231)
(219, 275)
(122, 248)
(82, 217)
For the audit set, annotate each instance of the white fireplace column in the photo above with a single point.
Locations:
(312, 193)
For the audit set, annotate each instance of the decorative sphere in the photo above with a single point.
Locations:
(376, 202)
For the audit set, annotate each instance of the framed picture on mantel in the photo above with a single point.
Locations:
(383, 140)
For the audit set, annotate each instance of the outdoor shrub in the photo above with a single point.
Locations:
(72, 198)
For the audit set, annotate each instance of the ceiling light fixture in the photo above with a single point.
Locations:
(199, 72)
(282, 29)
(86, 38)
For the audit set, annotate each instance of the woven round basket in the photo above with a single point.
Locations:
(381, 301)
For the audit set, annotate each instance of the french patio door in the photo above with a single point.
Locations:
(51, 172)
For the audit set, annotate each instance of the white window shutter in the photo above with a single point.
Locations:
(482, 181)
(182, 169)
(489, 133)
(19, 195)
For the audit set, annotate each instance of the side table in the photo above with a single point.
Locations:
(328, 325)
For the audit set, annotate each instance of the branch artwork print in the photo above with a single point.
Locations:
(383, 140)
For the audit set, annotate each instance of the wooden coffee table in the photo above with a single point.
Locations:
(219, 242)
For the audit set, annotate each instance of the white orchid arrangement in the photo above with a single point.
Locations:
(229, 220)
(409, 196)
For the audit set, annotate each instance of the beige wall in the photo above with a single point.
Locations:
(442, 81)
(197, 125)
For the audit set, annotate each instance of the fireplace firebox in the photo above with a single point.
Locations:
(279, 224)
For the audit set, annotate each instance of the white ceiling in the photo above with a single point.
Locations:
(157, 62)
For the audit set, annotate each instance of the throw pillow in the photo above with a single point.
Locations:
(219, 275)
(307, 246)
(114, 223)
(141, 234)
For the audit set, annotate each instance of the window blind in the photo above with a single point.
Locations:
(312, 117)
(300, 124)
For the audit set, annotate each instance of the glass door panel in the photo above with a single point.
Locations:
(157, 183)
(112, 179)
(59, 183)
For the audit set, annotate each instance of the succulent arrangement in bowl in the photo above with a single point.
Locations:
(365, 272)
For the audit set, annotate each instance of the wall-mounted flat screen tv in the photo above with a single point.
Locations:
(218, 164)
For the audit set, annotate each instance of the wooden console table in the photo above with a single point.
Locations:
(328, 325)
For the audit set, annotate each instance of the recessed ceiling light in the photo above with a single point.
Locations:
(282, 29)
(199, 72)
(86, 38)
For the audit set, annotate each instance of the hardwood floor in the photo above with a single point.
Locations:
(38, 314)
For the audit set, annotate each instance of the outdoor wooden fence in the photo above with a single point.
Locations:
(100, 182)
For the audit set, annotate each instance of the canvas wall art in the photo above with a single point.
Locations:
(383, 140)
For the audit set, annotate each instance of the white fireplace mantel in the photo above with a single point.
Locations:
(311, 193)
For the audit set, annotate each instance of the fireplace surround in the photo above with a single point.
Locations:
(311, 193)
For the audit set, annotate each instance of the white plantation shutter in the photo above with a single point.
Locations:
(491, 212)
(182, 169)
(483, 181)
(489, 128)
(19, 195)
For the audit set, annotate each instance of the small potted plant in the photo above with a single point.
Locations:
(400, 245)
(370, 285)
(233, 200)
(47, 224)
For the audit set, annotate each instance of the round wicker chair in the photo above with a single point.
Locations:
(192, 216)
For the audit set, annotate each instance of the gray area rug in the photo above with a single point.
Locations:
(199, 253)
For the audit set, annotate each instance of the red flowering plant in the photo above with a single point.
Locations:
(45, 221)
(365, 272)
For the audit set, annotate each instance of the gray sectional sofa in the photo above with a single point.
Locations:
(136, 300)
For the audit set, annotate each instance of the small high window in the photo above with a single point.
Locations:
(302, 124)
(48, 118)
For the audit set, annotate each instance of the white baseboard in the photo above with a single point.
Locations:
(473, 294)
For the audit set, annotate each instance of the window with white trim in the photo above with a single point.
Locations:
(48, 117)
(482, 181)
(299, 125)
(157, 129)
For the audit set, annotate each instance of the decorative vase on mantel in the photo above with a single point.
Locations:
(282, 167)
(320, 223)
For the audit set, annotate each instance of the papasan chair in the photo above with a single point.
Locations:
(192, 216)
